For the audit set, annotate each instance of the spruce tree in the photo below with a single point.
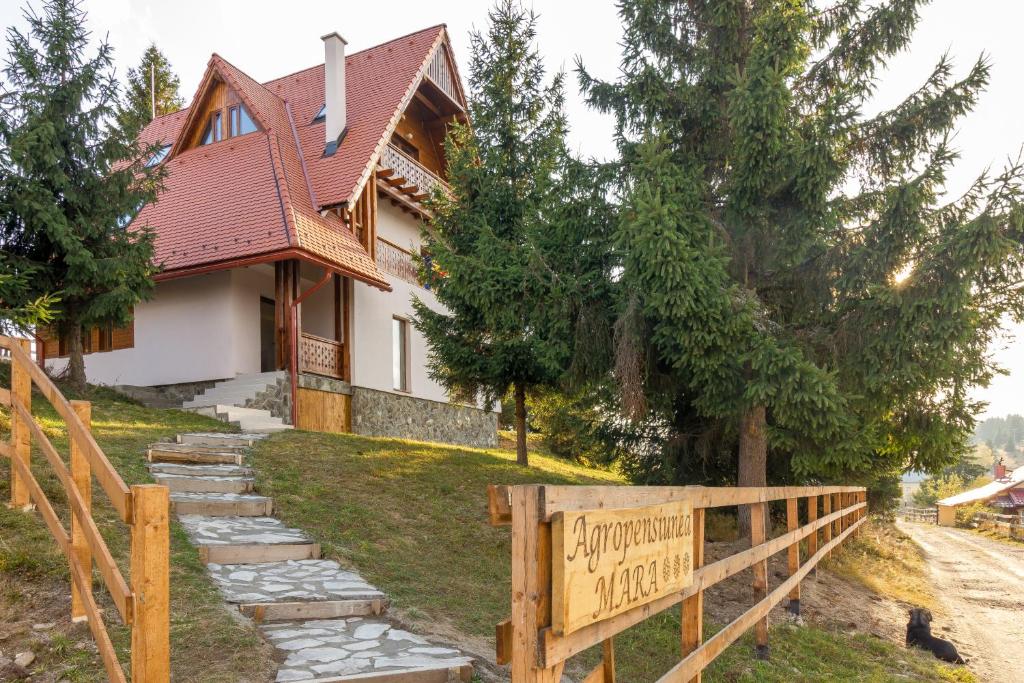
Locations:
(485, 266)
(72, 178)
(149, 87)
(790, 262)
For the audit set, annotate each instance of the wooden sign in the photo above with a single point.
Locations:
(606, 562)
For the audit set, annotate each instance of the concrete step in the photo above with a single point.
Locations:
(250, 419)
(169, 445)
(362, 649)
(159, 453)
(247, 540)
(187, 484)
(200, 470)
(234, 391)
(221, 504)
(220, 440)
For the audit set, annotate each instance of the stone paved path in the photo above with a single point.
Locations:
(325, 621)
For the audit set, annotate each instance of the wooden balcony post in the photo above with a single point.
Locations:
(150, 584)
(793, 554)
(693, 606)
(758, 517)
(21, 393)
(81, 474)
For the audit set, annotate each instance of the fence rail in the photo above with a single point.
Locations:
(142, 604)
(925, 515)
(1011, 526)
(530, 640)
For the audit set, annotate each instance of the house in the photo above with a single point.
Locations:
(286, 233)
(1006, 492)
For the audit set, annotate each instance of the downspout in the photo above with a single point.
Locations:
(328, 274)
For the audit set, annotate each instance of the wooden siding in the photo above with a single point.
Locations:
(121, 338)
(324, 411)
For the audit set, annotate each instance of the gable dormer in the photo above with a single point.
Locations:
(220, 115)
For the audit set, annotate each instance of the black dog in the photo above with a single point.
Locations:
(919, 634)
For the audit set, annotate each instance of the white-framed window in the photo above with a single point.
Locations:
(400, 353)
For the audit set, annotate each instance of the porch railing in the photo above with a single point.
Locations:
(320, 356)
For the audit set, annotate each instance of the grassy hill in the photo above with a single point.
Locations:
(208, 645)
(410, 516)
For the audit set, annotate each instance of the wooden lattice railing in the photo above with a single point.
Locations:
(320, 356)
(144, 604)
(399, 262)
(420, 181)
(539, 638)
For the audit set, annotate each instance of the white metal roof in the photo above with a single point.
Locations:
(987, 491)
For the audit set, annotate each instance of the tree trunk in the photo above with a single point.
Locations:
(753, 462)
(522, 458)
(76, 361)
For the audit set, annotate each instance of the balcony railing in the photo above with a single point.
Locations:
(320, 356)
(392, 259)
(440, 74)
(406, 175)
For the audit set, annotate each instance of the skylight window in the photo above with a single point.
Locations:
(159, 156)
(322, 114)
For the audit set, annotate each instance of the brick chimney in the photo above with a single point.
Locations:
(334, 91)
(999, 471)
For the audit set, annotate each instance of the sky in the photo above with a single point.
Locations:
(271, 39)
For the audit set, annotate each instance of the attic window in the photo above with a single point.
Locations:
(322, 114)
(159, 156)
(238, 122)
(241, 122)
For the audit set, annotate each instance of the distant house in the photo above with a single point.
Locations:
(286, 234)
(1005, 492)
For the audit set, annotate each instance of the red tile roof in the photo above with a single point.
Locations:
(261, 193)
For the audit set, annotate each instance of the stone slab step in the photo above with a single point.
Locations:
(221, 504)
(157, 453)
(186, 484)
(200, 470)
(301, 580)
(361, 649)
(219, 439)
(323, 609)
(247, 540)
(202, 448)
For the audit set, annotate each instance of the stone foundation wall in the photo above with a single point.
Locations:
(277, 398)
(167, 395)
(379, 413)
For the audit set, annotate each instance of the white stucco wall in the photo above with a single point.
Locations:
(373, 311)
(179, 336)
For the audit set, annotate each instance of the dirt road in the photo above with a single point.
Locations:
(980, 586)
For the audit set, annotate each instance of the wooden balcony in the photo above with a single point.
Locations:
(397, 261)
(406, 180)
(321, 356)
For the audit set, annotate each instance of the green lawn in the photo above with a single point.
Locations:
(207, 644)
(412, 517)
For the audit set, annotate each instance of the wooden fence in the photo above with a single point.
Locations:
(1011, 526)
(537, 642)
(144, 604)
(923, 515)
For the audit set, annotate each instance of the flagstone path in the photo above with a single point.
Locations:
(326, 622)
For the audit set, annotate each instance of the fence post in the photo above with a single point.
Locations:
(150, 584)
(826, 510)
(757, 537)
(812, 540)
(837, 505)
(81, 474)
(21, 393)
(693, 606)
(792, 523)
(531, 586)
